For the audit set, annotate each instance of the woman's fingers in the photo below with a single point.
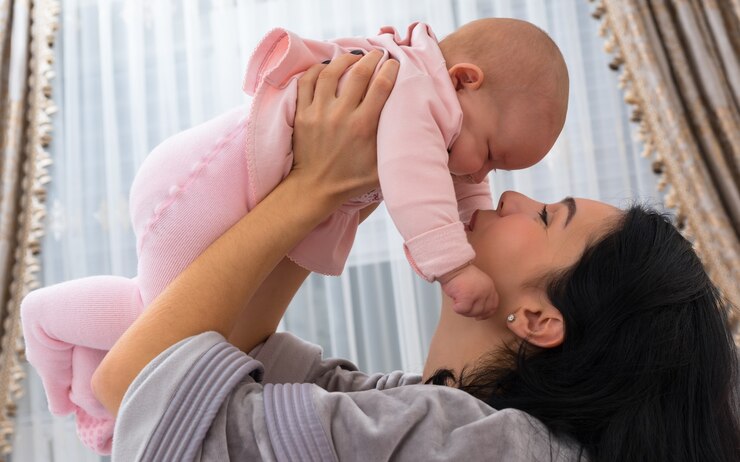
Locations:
(334, 138)
(326, 83)
(306, 86)
(380, 89)
(320, 81)
(357, 79)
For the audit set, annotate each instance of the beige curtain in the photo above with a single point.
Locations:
(27, 30)
(681, 74)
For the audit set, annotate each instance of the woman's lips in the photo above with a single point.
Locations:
(471, 224)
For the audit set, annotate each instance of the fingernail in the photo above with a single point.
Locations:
(358, 52)
(326, 62)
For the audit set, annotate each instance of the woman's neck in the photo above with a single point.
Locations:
(459, 341)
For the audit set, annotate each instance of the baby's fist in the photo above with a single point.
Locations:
(471, 291)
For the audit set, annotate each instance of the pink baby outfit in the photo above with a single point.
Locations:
(420, 121)
(198, 183)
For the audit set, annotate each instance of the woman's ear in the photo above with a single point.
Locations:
(466, 75)
(539, 325)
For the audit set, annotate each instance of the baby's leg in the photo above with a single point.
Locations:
(88, 313)
(189, 191)
(94, 422)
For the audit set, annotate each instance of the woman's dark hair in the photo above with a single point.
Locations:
(648, 369)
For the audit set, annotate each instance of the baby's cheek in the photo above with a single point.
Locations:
(462, 158)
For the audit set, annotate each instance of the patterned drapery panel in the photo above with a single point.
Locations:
(681, 74)
(26, 35)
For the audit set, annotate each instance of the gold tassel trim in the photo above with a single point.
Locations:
(45, 23)
(645, 135)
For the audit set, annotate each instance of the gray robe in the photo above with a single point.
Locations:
(204, 400)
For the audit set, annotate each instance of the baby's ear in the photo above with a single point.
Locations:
(466, 75)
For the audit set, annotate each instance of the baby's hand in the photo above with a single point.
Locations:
(472, 292)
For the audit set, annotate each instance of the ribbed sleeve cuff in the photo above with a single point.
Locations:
(188, 417)
(439, 251)
(294, 426)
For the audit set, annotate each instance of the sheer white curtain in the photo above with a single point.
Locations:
(131, 73)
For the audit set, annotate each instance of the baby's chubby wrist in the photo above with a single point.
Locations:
(449, 276)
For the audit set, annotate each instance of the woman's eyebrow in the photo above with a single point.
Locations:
(571, 204)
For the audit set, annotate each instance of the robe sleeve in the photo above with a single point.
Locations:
(290, 359)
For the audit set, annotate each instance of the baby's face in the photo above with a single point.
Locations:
(509, 140)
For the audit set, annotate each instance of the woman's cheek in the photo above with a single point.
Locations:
(507, 246)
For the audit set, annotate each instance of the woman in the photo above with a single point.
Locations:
(609, 340)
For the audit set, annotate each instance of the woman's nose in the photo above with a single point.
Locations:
(513, 202)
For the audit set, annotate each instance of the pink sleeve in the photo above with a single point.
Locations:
(471, 197)
(415, 180)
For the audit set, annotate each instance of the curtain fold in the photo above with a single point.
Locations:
(26, 36)
(681, 74)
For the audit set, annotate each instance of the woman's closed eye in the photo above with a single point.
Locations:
(543, 214)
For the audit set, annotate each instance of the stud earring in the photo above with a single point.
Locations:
(511, 318)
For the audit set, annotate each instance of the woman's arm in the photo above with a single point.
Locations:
(334, 160)
(264, 311)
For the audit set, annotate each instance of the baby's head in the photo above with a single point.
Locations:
(512, 84)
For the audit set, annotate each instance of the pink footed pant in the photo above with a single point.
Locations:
(188, 191)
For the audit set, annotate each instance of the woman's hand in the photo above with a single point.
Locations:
(334, 138)
(334, 144)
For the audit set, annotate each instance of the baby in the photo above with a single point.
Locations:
(492, 95)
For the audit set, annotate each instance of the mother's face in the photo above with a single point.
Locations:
(514, 245)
